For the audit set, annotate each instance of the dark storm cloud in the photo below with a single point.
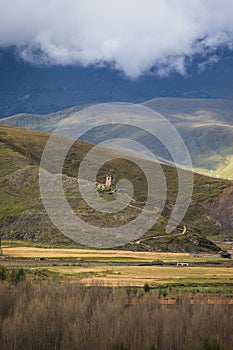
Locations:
(131, 35)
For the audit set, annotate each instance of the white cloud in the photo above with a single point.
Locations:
(131, 35)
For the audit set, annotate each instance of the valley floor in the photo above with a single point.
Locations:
(174, 271)
(113, 299)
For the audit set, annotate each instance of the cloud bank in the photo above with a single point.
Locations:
(131, 35)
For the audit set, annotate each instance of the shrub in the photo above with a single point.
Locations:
(17, 275)
(211, 345)
(146, 287)
(2, 273)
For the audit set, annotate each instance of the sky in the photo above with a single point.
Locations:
(133, 36)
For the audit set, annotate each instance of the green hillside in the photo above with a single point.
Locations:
(205, 125)
(23, 217)
(207, 129)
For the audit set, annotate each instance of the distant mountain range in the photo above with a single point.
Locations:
(25, 88)
(206, 126)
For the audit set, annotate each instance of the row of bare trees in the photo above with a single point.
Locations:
(46, 316)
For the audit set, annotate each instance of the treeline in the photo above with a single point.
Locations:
(47, 316)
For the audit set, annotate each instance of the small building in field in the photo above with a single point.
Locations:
(182, 264)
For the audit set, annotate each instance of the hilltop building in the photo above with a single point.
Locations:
(109, 183)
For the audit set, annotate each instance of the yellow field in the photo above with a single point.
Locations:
(33, 252)
(108, 274)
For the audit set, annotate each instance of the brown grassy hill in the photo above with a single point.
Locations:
(23, 217)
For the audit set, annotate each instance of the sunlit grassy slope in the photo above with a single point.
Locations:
(205, 125)
(23, 217)
(207, 129)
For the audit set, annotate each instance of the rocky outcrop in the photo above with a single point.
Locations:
(220, 209)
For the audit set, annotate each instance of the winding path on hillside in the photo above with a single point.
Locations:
(141, 241)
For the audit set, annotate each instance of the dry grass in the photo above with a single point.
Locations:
(70, 317)
(139, 275)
